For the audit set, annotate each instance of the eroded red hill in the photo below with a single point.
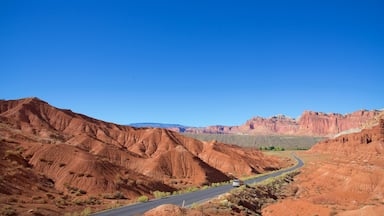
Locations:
(342, 176)
(74, 157)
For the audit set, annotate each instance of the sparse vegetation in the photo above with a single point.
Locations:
(116, 195)
(250, 199)
(85, 212)
(8, 211)
(142, 199)
(161, 194)
(74, 190)
(11, 152)
(257, 141)
(271, 148)
(50, 196)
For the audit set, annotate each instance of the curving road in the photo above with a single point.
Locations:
(190, 198)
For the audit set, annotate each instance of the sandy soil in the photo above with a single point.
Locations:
(342, 176)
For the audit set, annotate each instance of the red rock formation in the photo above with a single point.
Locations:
(366, 143)
(342, 176)
(309, 124)
(321, 124)
(75, 151)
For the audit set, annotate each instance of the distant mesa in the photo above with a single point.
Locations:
(347, 172)
(155, 125)
(310, 123)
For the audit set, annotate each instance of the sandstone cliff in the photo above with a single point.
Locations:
(342, 176)
(367, 143)
(309, 124)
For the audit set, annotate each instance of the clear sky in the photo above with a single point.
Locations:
(195, 63)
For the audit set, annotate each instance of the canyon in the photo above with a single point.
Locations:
(55, 161)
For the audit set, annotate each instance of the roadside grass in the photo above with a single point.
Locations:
(250, 199)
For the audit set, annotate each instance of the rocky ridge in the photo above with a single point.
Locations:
(310, 123)
(69, 155)
(342, 176)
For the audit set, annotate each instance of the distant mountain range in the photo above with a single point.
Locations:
(157, 125)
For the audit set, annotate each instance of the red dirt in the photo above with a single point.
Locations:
(46, 150)
(346, 178)
(168, 209)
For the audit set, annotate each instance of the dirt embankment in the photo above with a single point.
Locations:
(342, 176)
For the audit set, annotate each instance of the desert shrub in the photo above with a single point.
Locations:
(78, 202)
(160, 194)
(191, 189)
(10, 153)
(50, 196)
(205, 187)
(8, 211)
(142, 199)
(116, 195)
(218, 184)
(93, 201)
(86, 211)
(194, 205)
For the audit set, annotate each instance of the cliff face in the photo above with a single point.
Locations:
(346, 171)
(317, 123)
(75, 151)
(367, 143)
(309, 124)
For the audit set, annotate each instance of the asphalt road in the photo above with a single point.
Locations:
(189, 198)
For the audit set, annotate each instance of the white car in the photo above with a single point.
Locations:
(237, 183)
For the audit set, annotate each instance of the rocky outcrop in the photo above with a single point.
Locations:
(343, 175)
(367, 143)
(309, 124)
(317, 123)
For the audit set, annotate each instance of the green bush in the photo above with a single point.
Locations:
(142, 199)
(161, 194)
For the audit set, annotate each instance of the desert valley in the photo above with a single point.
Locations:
(54, 161)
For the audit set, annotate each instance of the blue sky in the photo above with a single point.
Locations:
(195, 63)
